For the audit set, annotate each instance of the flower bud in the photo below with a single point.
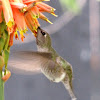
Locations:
(7, 76)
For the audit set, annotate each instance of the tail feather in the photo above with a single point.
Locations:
(68, 85)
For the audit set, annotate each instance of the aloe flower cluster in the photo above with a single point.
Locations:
(22, 14)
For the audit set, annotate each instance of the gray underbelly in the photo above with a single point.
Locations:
(54, 74)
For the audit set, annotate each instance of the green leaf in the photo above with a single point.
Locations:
(1, 62)
(6, 56)
(2, 27)
(70, 5)
(2, 42)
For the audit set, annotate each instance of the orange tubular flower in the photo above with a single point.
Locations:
(23, 14)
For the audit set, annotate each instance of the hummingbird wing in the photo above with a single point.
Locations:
(27, 62)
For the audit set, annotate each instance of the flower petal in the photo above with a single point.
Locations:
(7, 11)
(43, 17)
(12, 35)
(31, 1)
(17, 5)
(28, 1)
(47, 6)
(19, 19)
(43, 8)
(0, 14)
(35, 12)
(31, 22)
(19, 1)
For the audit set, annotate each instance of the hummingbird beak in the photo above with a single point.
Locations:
(38, 31)
(39, 28)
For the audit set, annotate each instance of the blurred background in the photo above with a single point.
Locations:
(76, 37)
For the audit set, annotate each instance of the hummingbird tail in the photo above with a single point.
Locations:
(68, 85)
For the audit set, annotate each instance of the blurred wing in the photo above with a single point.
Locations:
(27, 62)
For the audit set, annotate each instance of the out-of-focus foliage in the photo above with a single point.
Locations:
(98, 0)
(71, 5)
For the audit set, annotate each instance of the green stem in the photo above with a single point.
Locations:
(1, 87)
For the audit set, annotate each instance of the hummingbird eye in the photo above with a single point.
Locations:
(43, 33)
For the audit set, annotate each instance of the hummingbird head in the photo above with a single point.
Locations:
(43, 39)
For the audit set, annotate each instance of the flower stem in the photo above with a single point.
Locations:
(1, 87)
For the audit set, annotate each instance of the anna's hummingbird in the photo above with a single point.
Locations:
(53, 66)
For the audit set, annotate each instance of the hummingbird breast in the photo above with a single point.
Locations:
(53, 71)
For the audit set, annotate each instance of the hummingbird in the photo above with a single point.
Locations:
(46, 59)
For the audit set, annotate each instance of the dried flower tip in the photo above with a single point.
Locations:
(54, 14)
(49, 21)
(53, 9)
(16, 35)
(43, 17)
(21, 34)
